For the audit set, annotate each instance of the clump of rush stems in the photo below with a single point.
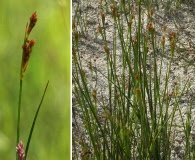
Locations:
(126, 108)
(27, 50)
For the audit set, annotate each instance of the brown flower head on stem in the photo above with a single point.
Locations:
(33, 20)
(106, 48)
(20, 151)
(172, 39)
(28, 44)
(94, 93)
(99, 29)
(150, 27)
(103, 17)
(27, 49)
(137, 76)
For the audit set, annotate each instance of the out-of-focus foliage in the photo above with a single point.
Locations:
(50, 60)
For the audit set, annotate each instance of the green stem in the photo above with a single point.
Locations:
(18, 121)
(34, 121)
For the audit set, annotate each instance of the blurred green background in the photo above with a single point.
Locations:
(50, 60)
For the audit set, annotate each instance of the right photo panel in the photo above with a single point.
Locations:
(133, 79)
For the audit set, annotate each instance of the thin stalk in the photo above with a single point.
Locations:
(18, 120)
(34, 121)
(27, 50)
(20, 93)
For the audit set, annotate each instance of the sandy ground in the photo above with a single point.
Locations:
(181, 21)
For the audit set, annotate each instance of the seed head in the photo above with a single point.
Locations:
(150, 27)
(103, 17)
(106, 49)
(136, 76)
(94, 93)
(99, 29)
(28, 44)
(33, 20)
(27, 50)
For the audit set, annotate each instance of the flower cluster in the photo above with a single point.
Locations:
(150, 27)
(172, 39)
(28, 44)
(20, 151)
(27, 49)
(33, 20)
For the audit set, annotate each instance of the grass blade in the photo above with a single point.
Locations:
(34, 121)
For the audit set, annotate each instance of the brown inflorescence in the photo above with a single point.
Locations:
(137, 90)
(99, 29)
(163, 41)
(138, 93)
(103, 17)
(27, 50)
(172, 39)
(131, 20)
(106, 48)
(118, 15)
(150, 14)
(33, 20)
(86, 154)
(114, 10)
(94, 93)
(172, 36)
(147, 49)
(83, 73)
(28, 44)
(150, 27)
(137, 76)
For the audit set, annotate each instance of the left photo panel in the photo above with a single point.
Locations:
(35, 86)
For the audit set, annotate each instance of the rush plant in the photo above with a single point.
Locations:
(125, 107)
(27, 47)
